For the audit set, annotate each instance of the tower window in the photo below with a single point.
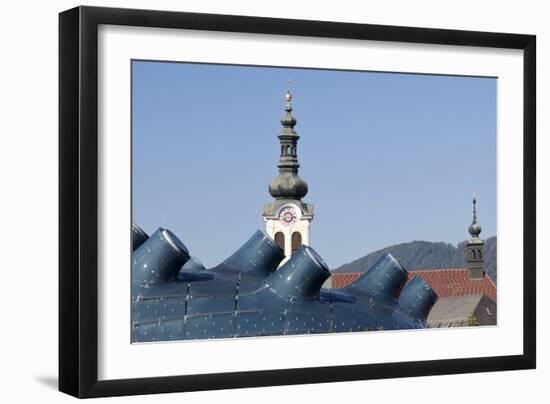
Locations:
(296, 241)
(280, 240)
(288, 150)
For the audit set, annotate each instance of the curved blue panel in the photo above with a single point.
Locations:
(385, 278)
(138, 236)
(193, 270)
(336, 295)
(188, 276)
(417, 298)
(192, 265)
(301, 276)
(259, 256)
(159, 258)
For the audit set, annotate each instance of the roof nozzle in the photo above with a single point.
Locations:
(259, 256)
(301, 276)
(417, 298)
(138, 236)
(159, 258)
(386, 277)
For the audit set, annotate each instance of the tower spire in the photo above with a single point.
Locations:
(288, 185)
(475, 228)
(474, 201)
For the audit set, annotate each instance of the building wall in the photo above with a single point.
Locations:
(486, 312)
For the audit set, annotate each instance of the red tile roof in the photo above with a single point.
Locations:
(343, 279)
(445, 282)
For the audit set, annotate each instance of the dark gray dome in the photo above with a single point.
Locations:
(288, 121)
(288, 185)
(474, 229)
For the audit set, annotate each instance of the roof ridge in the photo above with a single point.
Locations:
(438, 269)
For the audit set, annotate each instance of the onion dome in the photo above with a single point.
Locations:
(288, 186)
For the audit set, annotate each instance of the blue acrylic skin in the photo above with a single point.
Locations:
(417, 298)
(138, 237)
(247, 295)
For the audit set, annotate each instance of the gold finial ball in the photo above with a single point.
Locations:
(288, 96)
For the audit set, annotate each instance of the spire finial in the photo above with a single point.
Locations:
(475, 228)
(288, 97)
(474, 201)
(288, 120)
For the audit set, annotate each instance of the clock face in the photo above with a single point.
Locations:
(288, 216)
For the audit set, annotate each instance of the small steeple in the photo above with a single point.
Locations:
(475, 247)
(475, 228)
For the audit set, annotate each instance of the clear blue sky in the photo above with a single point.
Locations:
(388, 158)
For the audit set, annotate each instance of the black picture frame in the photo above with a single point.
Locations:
(78, 200)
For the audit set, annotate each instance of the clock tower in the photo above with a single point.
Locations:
(287, 219)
